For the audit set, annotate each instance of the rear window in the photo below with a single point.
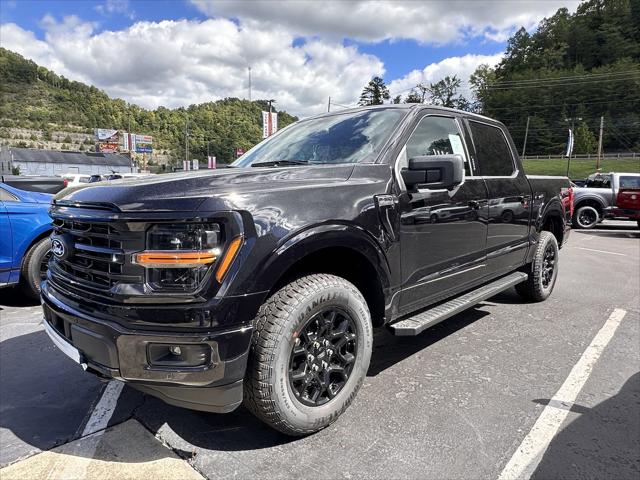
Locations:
(630, 182)
(493, 151)
(598, 181)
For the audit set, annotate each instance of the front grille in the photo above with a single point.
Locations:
(98, 262)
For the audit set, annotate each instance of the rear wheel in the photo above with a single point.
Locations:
(586, 217)
(34, 267)
(543, 271)
(310, 352)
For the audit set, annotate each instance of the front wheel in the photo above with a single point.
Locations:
(309, 355)
(34, 267)
(543, 271)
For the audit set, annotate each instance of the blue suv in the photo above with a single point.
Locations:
(25, 227)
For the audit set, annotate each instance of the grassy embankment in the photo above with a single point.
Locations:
(580, 168)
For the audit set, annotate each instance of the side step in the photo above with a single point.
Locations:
(418, 323)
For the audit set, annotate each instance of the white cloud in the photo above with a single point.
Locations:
(121, 7)
(177, 63)
(462, 66)
(435, 22)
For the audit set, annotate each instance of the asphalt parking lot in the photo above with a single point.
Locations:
(462, 400)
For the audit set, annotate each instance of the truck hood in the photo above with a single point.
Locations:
(187, 191)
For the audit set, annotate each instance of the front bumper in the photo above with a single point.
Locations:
(110, 350)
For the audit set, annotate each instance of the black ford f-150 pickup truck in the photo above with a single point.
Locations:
(263, 282)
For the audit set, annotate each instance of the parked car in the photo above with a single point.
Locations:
(263, 282)
(121, 176)
(74, 179)
(597, 199)
(25, 227)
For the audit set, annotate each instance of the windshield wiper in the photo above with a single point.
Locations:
(277, 163)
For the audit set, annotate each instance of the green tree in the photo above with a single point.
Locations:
(374, 93)
(445, 93)
(585, 140)
(413, 97)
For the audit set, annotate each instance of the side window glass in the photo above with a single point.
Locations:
(437, 136)
(7, 197)
(493, 151)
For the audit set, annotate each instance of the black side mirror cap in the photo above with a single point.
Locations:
(434, 172)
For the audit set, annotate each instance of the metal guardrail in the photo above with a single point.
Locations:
(587, 156)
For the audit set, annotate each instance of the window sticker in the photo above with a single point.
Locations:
(456, 145)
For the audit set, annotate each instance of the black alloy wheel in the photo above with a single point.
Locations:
(548, 265)
(323, 356)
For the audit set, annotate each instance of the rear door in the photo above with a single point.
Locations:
(509, 196)
(443, 233)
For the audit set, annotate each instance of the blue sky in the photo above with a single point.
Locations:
(300, 51)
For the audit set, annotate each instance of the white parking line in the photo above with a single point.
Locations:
(601, 251)
(526, 458)
(104, 409)
(96, 425)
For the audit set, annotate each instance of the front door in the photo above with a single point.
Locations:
(443, 233)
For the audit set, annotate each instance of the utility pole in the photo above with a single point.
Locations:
(600, 143)
(329, 105)
(249, 83)
(526, 133)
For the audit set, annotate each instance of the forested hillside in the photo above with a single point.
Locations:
(574, 69)
(34, 97)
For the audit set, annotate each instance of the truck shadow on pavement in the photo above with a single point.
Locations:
(603, 442)
(13, 297)
(44, 396)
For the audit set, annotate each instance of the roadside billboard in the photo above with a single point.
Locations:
(131, 142)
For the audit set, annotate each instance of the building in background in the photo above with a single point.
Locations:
(55, 162)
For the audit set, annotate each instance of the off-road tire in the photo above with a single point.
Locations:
(534, 289)
(578, 224)
(267, 391)
(30, 272)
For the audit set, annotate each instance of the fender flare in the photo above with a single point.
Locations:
(296, 247)
(590, 197)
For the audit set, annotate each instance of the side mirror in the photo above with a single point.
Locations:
(435, 172)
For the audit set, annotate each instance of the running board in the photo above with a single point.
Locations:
(418, 323)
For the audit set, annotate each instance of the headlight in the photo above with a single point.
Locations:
(178, 256)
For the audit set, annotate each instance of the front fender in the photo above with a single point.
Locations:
(296, 247)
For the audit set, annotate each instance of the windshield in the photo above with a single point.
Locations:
(344, 138)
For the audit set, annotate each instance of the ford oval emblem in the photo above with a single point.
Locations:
(57, 248)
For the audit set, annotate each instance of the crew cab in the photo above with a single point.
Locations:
(598, 199)
(263, 282)
(25, 227)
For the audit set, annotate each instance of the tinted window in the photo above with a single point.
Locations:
(436, 136)
(630, 182)
(342, 138)
(493, 151)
